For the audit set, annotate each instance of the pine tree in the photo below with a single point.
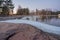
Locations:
(5, 11)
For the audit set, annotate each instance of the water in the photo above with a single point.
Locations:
(53, 21)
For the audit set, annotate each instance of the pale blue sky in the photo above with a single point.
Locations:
(39, 4)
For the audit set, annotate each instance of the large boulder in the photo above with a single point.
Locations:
(11, 31)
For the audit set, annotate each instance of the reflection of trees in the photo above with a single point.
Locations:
(48, 14)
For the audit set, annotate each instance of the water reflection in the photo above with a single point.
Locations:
(52, 21)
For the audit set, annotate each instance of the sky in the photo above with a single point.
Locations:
(37, 4)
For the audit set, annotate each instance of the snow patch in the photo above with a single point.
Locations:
(39, 25)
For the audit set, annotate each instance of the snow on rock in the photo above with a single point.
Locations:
(39, 25)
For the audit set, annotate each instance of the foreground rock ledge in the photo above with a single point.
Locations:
(11, 31)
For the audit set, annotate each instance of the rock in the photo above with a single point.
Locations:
(11, 31)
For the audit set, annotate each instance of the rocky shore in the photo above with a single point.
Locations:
(11, 31)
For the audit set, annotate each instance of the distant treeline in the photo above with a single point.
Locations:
(26, 11)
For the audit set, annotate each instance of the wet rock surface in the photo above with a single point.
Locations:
(10, 31)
